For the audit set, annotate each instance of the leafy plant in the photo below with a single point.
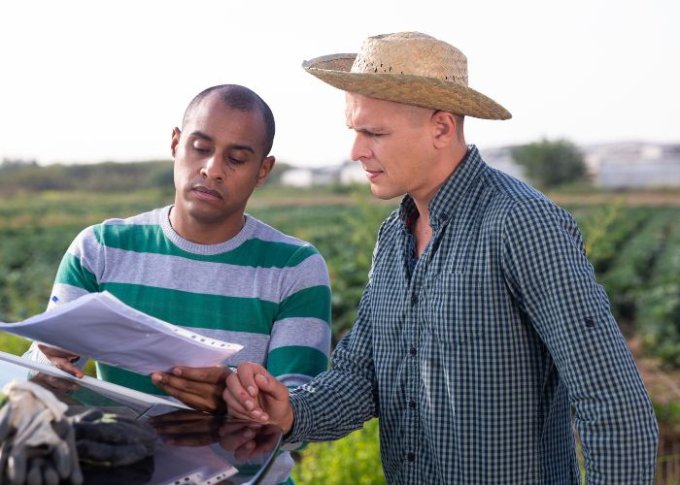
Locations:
(353, 459)
(551, 163)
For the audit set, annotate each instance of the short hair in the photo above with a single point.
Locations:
(460, 121)
(240, 98)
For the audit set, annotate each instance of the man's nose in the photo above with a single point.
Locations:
(359, 148)
(212, 168)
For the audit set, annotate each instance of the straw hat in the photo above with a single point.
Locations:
(410, 68)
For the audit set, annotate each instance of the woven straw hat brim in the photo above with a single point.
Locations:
(426, 92)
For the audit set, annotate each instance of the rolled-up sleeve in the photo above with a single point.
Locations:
(550, 276)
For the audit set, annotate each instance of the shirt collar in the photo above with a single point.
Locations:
(450, 194)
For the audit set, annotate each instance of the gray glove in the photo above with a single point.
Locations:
(112, 439)
(38, 443)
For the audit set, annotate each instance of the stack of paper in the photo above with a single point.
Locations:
(101, 327)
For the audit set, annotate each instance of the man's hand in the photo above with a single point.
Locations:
(63, 360)
(198, 387)
(254, 394)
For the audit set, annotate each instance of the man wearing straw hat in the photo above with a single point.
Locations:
(481, 332)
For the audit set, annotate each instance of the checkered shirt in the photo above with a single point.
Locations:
(481, 358)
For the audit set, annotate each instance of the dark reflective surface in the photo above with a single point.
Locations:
(246, 441)
(192, 447)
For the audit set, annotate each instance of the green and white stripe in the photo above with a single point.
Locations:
(263, 289)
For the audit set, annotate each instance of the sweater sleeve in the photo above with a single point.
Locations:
(75, 277)
(341, 399)
(300, 338)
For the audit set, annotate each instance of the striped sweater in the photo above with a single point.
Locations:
(263, 289)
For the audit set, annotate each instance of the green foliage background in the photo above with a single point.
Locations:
(550, 164)
(354, 459)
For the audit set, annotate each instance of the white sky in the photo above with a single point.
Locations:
(86, 81)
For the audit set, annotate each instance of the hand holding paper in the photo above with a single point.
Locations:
(62, 359)
(199, 387)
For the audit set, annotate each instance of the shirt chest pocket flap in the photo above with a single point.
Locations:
(457, 313)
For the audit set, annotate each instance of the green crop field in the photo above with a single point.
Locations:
(633, 243)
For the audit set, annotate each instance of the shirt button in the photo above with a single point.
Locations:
(412, 351)
(411, 457)
(412, 404)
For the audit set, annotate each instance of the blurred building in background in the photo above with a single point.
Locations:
(610, 165)
(634, 164)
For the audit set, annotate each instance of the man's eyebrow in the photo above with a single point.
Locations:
(200, 134)
(242, 147)
(366, 129)
(203, 136)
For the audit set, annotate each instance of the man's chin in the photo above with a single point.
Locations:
(384, 193)
(205, 214)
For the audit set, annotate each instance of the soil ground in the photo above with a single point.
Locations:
(663, 385)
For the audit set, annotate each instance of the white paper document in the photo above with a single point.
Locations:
(101, 327)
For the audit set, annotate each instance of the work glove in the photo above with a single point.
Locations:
(111, 439)
(37, 440)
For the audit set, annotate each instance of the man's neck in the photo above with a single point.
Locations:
(421, 229)
(422, 232)
(203, 233)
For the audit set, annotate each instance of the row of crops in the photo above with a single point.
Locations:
(636, 255)
(635, 252)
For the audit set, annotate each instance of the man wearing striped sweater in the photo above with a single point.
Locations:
(203, 263)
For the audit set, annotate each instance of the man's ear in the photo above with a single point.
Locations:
(265, 169)
(174, 141)
(445, 128)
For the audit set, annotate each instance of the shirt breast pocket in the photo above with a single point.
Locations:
(456, 310)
